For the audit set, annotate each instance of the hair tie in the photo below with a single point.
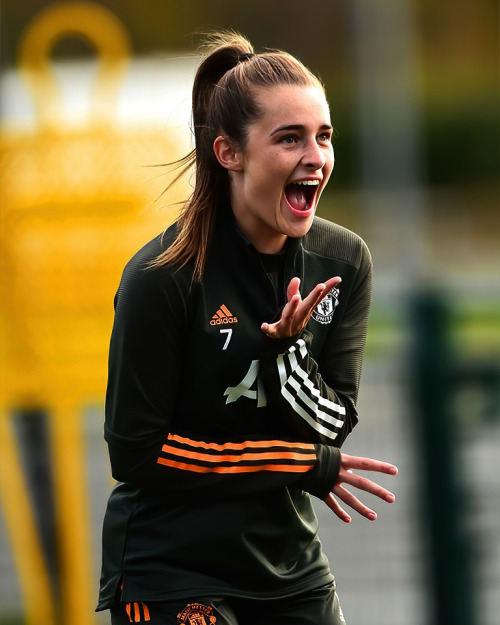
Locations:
(245, 57)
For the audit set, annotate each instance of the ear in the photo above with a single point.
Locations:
(227, 155)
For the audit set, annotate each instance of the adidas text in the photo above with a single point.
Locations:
(222, 321)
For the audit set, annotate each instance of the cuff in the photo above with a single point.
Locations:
(321, 480)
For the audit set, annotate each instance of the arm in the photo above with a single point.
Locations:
(318, 399)
(311, 417)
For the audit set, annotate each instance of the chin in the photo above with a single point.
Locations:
(301, 230)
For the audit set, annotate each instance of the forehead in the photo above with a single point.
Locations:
(292, 105)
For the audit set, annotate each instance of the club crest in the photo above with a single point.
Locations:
(323, 312)
(197, 614)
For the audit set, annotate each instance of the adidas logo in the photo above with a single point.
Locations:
(222, 317)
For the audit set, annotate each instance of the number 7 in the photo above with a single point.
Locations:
(229, 332)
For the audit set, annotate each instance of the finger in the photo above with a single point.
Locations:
(318, 294)
(314, 297)
(322, 289)
(368, 464)
(352, 501)
(293, 288)
(290, 309)
(287, 325)
(347, 477)
(337, 509)
(269, 329)
(331, 283)
(306, 306)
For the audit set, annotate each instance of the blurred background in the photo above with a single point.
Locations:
(94, 98)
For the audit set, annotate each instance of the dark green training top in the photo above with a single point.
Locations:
(217, 434)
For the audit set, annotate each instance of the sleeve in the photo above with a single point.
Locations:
(145, 448)
(318, 398)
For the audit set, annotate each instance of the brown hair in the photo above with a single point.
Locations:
(223, 103)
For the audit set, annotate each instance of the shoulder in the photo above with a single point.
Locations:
(331, 240)
(143, 283)
(143, 258)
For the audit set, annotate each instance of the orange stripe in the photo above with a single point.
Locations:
(225, 309)
(137, 614)
(282, 468)
(236, 446)
(127, 607)
(220, 314)
(278, 455)
(146, 612)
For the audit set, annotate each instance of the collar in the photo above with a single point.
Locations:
(235, 244)
(226, 229)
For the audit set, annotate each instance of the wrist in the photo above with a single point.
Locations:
(321, 479)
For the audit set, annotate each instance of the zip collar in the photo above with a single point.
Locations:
(235, 244)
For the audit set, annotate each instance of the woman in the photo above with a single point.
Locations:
(230, 392)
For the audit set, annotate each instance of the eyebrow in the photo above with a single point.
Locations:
(298, 127)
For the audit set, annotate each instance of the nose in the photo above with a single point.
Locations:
(314, 157)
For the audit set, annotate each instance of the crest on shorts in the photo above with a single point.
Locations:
(323, 312)
(197, 614)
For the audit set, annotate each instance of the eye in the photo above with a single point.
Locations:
(325, 137)
(289, 139)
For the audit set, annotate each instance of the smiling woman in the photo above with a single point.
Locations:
(229, 394)
(277, 176)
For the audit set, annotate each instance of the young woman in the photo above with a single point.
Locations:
(234, 367)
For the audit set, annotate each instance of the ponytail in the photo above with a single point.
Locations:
(223, 102)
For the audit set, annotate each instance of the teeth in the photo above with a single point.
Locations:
(308, 183)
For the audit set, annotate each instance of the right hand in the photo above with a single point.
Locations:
(346, 476)
(297, 311)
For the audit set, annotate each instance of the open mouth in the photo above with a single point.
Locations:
(300, 195)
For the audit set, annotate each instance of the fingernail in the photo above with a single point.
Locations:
(372, 516)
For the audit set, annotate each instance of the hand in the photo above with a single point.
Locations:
(346, 476)
(297, 311)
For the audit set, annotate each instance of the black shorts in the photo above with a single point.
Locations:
(320, 606)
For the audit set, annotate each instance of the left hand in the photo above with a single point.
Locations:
(346, 476)
(297, 311)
